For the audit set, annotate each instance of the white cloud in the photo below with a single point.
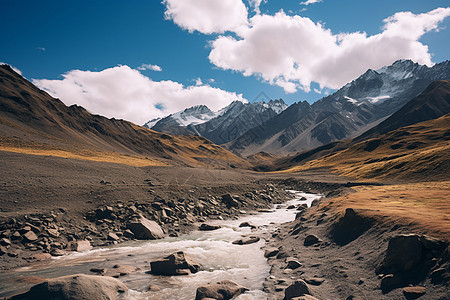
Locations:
(14, 68)
(41, 49)
(149, 67)
(207, 16)
(256, 4)
(310, 2)
(198, 81)
(293, 51)
(122, 92)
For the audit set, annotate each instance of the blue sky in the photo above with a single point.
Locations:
(45, 39)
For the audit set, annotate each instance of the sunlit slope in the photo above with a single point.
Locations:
(33, 122)
(417, 151)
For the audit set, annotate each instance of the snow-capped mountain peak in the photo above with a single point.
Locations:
(193, 115)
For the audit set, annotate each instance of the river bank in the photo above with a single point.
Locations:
(378, 242)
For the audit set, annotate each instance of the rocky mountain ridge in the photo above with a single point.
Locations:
(353, 109)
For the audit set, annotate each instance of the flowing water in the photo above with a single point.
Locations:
(214, 250)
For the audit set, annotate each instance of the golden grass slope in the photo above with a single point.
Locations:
(420, 206)
(418, 151)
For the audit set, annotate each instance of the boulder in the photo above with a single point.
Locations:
(292, 263)
(177, 263)
(80, 246)
(403, 254)
(209, 227)
(247, 224)
(413, 292)
(311, 240)
(145, 229)
(298, 288)
(79, 286)
(229, 201)
(247, 240)
(222, 290)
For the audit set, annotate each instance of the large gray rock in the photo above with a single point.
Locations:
(177, 263)
(222, 290)
(145, 229)
(403, 254)
(298, 288)
(79, 286)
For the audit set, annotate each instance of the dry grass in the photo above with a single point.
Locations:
(424, 206)
(418, 150)
(12, 145)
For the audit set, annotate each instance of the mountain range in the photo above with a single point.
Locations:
(222, 126)
(413, 142)
(33, 122)
(249, 128)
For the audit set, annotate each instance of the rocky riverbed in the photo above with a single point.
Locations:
(40, 236)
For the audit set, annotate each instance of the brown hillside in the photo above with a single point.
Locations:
(33, 122)
(419, 151)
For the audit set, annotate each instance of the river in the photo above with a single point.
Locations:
(220, 259)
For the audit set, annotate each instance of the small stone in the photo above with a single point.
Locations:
(42, 256)
(208, 227)
(311, 240)
(292, 263)
(112, 236)
(5, 242)
(53, 232)
(57, 252)
(315, 281)
(247, 224)
(247, 240)
(30, 236)
(99, 271)
(414, 292)
(271, 252)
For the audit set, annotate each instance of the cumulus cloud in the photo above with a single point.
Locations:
(144, 67)
(293, 51)
(125, 93)
(310, 2)
(14, 68)
(207, 16)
